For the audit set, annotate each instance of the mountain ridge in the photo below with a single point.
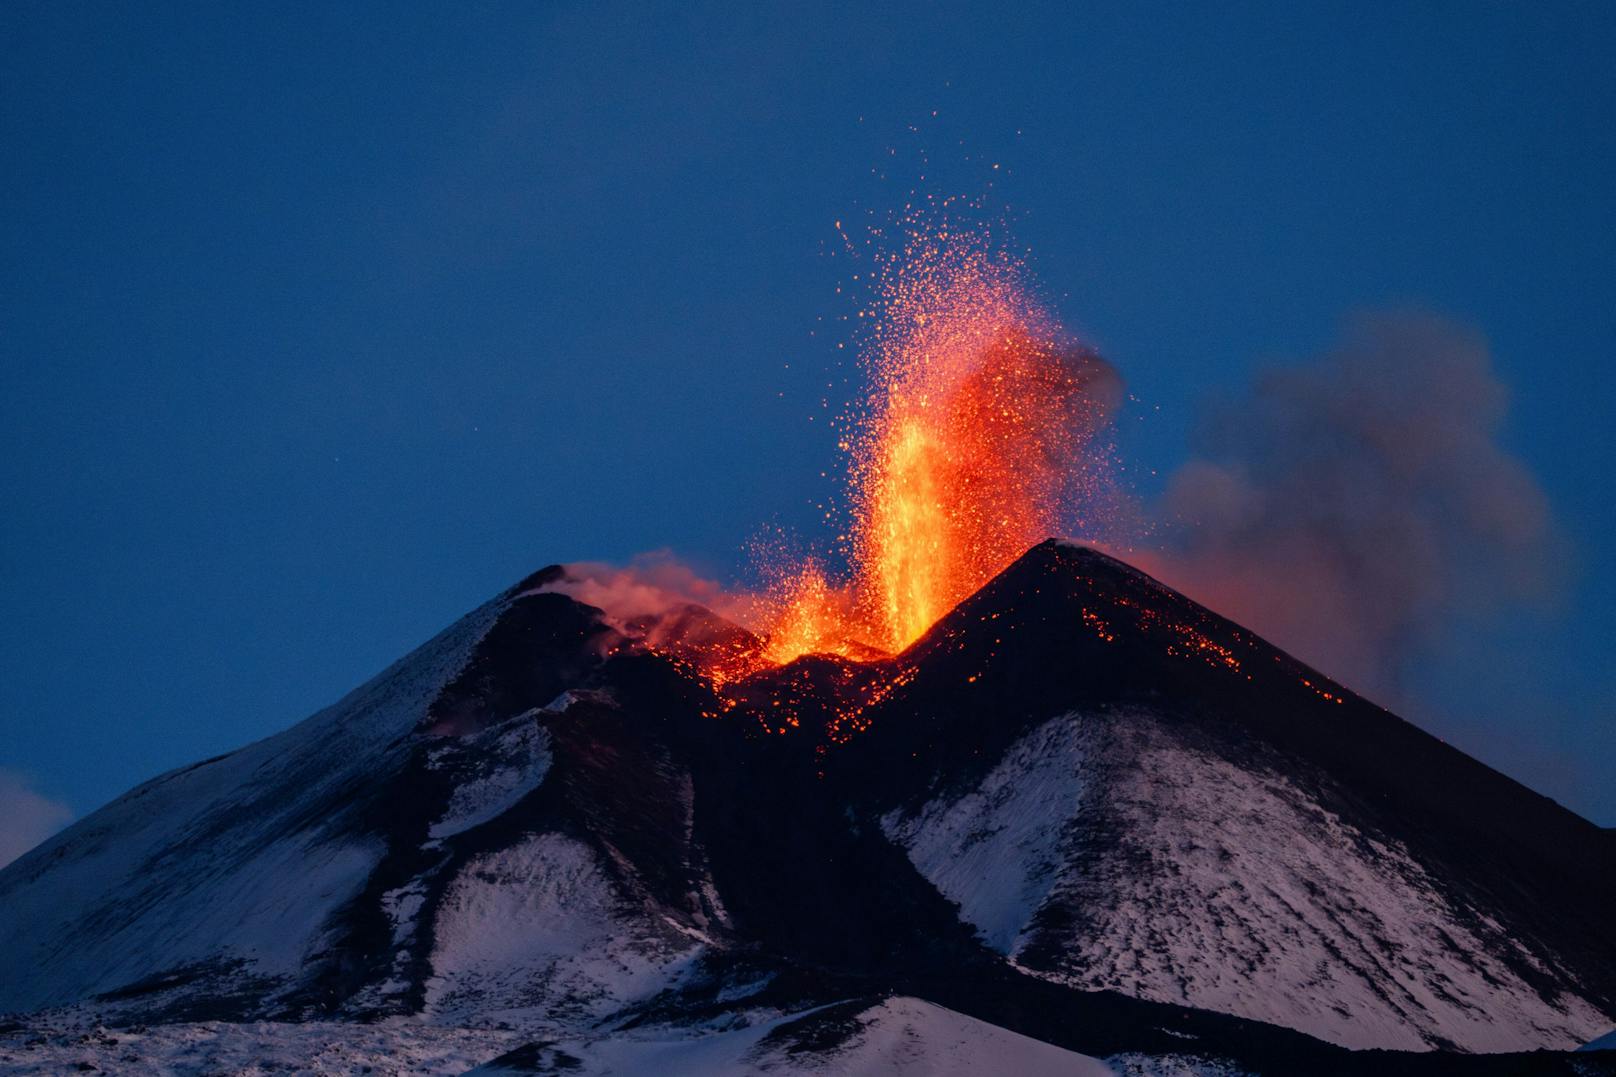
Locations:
(545, 819)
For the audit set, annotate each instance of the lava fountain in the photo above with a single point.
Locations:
(982, 434)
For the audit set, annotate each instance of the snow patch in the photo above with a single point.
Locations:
(995, 851)
(911, 1036)
(1234, 889)
(539, 925)
(511, 759)
(1104, 852)
(1137, 1065)
(49, 1047)
(900, 1037)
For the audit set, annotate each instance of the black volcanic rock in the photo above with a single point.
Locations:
(1154, 679)
(541, 643)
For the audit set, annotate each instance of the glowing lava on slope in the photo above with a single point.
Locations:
(981, 435)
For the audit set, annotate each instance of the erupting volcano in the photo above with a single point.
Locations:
(983, 430)
(984, 800)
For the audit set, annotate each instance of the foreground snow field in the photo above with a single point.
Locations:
(899, 1036)
(398, 1046)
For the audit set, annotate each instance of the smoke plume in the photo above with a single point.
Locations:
(1355, 507)
(651, 585)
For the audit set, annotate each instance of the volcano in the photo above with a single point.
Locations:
(1081, 825)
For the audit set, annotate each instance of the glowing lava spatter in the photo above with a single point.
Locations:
(985, 430)
(978, 439)
(810, 615)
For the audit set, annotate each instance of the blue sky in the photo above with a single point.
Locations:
(319, 326)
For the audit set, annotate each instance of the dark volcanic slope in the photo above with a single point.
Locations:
(1083, 808)
(1368, 879)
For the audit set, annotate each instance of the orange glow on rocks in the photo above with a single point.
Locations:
(810, 616)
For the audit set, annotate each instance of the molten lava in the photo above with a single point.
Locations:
(810, 616)
(978, 439)
(985, 431)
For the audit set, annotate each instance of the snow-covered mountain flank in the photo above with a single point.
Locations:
(1083, 822)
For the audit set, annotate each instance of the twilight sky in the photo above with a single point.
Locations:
(318, 328)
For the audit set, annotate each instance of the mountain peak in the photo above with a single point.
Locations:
(1081, 807)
